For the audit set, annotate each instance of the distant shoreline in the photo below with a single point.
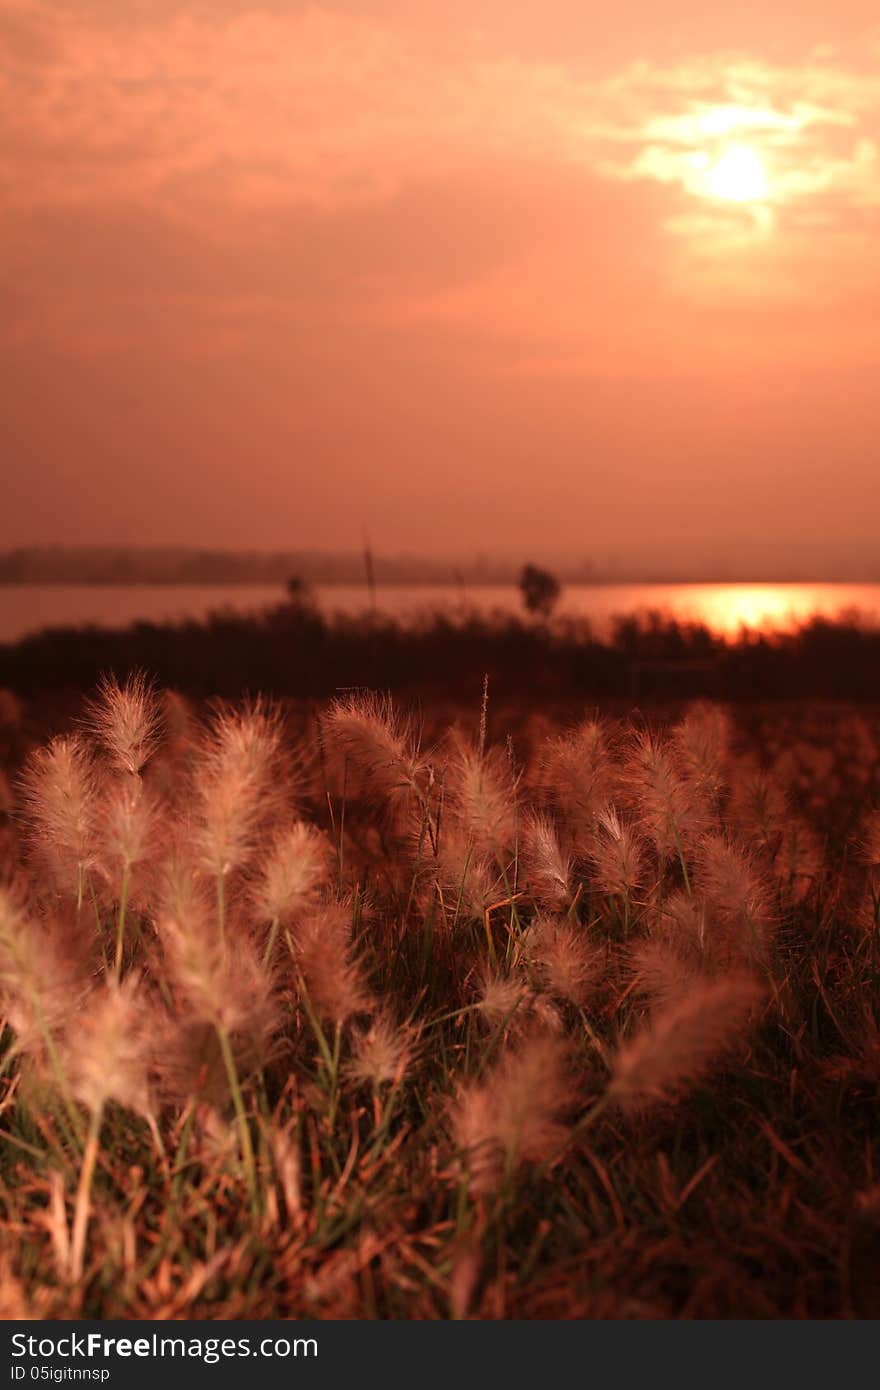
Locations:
(398, 582)
(160, 567)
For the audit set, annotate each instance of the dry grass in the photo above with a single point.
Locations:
(345, 1022)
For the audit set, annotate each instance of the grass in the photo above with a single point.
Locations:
(512, 1021)
(295, 650)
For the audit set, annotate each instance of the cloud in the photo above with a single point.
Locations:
(255, 111)
(194, 174)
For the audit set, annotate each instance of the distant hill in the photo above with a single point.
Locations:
(190, 565)
(182, 565)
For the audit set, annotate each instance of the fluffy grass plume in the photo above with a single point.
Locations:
(683, 1041)
(297, 1022)
(237, 783)
(547, 869)
(516, 1115)
(61, 808)
(378, 745)
(126, 720)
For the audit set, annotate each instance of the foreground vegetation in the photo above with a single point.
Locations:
(295, 650)
(323, 1014)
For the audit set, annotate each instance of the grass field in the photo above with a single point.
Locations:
(328, 1012)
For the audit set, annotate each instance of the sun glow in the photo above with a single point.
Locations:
(738, 176)
(728, 608)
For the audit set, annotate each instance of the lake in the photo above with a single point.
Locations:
(723, 607)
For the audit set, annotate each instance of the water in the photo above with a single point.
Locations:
(723, 607)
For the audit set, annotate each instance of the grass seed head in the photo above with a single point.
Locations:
(516, 1115)
(107, 1055)
(332, 976)
(61, 806)
(618, 856)
(481, 798)
(576, 775)
(374, 742)
(290, 878)
(569, 965)
(546, 868)
(238, 786)
(126, 720)
(382, 1052)
(683, 1041)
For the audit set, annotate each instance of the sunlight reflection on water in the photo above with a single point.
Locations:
(723, 607)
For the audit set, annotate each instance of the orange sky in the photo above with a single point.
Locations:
(462, 272)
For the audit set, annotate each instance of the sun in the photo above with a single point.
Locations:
(737, 175)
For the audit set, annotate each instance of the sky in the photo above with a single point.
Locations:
(557, 279)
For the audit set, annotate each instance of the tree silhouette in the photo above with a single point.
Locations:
(540, 590)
